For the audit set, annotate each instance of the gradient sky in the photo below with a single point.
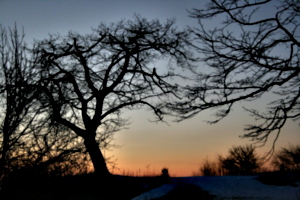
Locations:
(181, 147)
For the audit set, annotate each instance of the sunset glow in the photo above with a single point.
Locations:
(146, 147)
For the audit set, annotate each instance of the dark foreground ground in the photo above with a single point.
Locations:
(76, 187)
(86, 187)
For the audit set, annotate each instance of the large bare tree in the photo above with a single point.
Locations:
(251, 52)
(89, 79)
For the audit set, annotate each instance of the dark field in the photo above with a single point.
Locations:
(89, 187)
(77, 187)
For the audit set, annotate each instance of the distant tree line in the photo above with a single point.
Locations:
(243, 160)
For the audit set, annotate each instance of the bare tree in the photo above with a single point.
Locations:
(29, 139)
(287, 159)
(17, 97)
(242, 160)
(53, 150)
(90, 79)
(247, 56)
(209, 168)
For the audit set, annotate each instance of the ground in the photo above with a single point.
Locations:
(267, 186)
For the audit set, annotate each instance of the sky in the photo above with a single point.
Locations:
(145, 146)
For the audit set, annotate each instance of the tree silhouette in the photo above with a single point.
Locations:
(89, 79)
(29, 140)
(241, 160)
(287, 159)
(209, 168)
(17, 97)
(246, 57)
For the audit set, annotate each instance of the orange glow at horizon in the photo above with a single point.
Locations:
(182, 147)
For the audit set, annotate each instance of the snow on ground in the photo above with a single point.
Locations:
(156, 193)
(230, 187)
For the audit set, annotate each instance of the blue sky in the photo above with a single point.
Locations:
(179, 146)
(40, 17)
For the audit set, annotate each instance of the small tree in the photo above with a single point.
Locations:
(242, 160)
(287, 159)
(29, 140)
(209, 168)
(90, 79)
(18, 98)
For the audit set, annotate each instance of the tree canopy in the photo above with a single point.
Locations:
(246, 56)
(87, 80)
(28, 138)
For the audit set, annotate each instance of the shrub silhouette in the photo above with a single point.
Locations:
(209, 168)
(287, 159)
(242, 160)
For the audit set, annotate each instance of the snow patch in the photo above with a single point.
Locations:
(156, 193)
(229, 187)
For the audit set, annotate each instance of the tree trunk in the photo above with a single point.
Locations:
(5, 146)
(96, 157)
